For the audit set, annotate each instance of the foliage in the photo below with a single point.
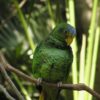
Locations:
(22, 28)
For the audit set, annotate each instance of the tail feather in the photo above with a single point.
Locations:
(41, 97)
(49, 94)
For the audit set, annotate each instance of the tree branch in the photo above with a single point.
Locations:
(6, 93)
(77, 87)
(11, 83)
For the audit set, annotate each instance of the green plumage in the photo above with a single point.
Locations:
(52, 59)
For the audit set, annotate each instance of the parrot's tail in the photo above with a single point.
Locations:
(41, 97)
(49, 94)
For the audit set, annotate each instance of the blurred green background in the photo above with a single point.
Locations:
(25, 23)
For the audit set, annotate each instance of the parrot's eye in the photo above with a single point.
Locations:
(65, 32)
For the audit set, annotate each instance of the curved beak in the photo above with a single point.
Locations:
(69, 40)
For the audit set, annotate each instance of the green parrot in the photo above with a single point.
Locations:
(52, 59)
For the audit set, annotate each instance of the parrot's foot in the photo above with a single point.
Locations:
(59, 84)
(39, 81)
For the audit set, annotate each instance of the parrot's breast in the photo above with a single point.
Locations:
(52, 64)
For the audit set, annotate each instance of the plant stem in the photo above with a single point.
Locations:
(90, 43)
(82, 65)
(90, 46)
(95, 54)
(22, 88)
(50, 10)
(26, 27)
(74, 47)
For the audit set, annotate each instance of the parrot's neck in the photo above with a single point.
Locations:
(53, 42)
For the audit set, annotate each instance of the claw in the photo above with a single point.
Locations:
(59, 84)
(39, 81)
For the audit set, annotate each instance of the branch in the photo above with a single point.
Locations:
(77, 87)
(6, 93)
(10, 82)
(12, 69)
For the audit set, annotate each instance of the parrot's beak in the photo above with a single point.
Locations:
(69, 40)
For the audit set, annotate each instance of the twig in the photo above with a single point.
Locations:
(6, 93)
(12, 69)
(77, 87)
(10, 82)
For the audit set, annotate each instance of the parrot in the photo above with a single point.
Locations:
(52, 59)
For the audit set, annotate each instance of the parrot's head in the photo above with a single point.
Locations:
(64, 32)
